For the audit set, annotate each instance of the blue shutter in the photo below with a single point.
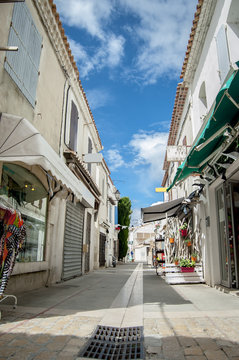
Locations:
(222, 53)
(23, 65)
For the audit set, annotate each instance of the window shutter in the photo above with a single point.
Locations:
(90, 148)
(222, 53)
(23, 64)
(73, 127)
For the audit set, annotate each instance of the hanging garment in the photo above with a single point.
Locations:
(12, 235)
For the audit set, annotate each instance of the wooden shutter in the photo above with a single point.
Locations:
(73, 127)
(23, 64)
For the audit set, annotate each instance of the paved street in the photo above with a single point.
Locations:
(179, 322)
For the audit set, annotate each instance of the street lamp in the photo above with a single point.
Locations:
(117, 195)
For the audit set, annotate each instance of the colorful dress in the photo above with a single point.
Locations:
(12, 235)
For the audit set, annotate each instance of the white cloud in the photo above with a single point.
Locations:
(89, 15)
(146, 151)
(92, 16)
(115, 49)
(149, 149)
(108, 53)
(162, 33)
(114, 159)
(98, 98)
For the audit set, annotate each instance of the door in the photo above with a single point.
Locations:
(235, 229)
(73, 241)
(102, 249)
(223, 238)
(228, 212)
(87, 254)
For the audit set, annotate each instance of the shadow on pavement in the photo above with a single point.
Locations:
(156, 290)
(50, 346)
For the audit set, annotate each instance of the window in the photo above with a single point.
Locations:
(23, 65)
(110, 213)
(21, 190)
(222, 53)
(73, 127)
(103, 188)
(90, 148)
(202, 94)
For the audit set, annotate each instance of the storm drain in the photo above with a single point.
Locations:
(114, 343)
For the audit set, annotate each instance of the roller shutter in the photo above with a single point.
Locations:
(73, 241)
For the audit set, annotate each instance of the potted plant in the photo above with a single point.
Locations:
(183, 229)
(171, 240)
(188, 242)
(186, 265)
(176, 261)
(194, 257)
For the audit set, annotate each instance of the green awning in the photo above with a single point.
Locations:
(223, 116)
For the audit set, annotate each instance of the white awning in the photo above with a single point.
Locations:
(20, 141)
(160, 211)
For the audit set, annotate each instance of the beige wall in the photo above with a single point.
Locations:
(47, 114)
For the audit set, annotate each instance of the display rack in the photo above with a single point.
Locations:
(159, 252)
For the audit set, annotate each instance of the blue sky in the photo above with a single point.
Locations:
(130, 54)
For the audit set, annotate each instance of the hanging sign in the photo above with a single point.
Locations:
(176, 153)
(161, 189)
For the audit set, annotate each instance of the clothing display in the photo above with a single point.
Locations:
(12, 235)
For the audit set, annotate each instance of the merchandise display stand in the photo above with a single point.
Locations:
(159, 252)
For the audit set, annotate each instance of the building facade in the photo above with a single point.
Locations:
(205, 121)
(50, 160)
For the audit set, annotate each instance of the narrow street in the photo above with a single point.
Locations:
(177, 322)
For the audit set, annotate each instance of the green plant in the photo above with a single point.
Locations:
(124, 212)
(194, 255)
(186, 263)
(184, 226)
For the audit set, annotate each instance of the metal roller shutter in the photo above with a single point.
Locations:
(73, 241)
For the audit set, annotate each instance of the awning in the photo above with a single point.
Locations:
(21, 142)
(161, 211)
(223, 117)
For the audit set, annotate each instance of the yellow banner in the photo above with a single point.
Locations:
(161, 189)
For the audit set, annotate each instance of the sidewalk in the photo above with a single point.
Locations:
(188, 322)
(192, 322)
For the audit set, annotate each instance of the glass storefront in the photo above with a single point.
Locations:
(228, 212)
(21, 190)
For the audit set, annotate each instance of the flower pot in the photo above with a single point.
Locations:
(171, 240)
(193, 258)
(188, 243)
(176, 263)
(187, 269)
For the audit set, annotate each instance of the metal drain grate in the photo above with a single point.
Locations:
(113, 343)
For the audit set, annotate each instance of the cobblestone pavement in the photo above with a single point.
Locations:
(190, 322)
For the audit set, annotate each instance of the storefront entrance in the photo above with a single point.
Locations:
(228, 213)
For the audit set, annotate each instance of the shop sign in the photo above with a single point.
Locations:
(176, 153)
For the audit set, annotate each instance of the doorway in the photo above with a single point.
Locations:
(228, 212)
(102, 249)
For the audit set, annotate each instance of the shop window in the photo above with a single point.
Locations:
(23, 65)
(22, 191)
(73, 127)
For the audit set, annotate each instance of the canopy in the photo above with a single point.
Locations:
(222, 117)
(20, 141)
(161, 211)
